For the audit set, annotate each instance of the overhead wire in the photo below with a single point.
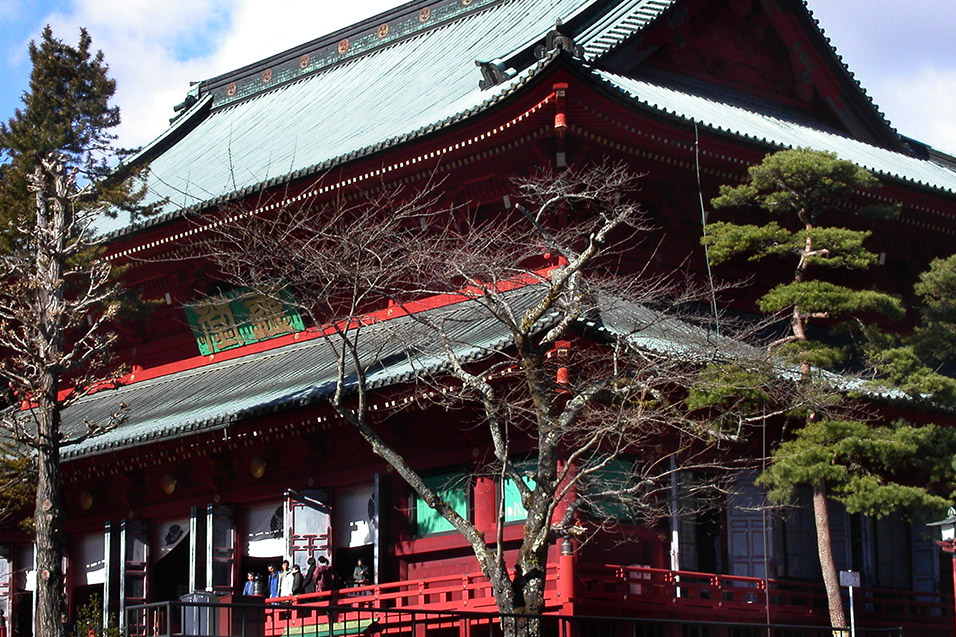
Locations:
(703, 225)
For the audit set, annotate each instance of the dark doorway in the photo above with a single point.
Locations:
(169, 577)
(259, 566)
(23, 611)
(346, 558)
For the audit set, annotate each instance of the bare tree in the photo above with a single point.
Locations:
(595, 370)
(57, 300)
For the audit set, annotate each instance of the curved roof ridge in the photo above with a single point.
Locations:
(614, 27)
(851, 77)
(375, 33)
(774, 131)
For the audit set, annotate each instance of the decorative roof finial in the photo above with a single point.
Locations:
(493, 73)
(557, 40)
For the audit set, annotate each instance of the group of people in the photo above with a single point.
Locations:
(290, 580)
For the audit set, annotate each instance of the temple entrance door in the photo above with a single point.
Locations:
(169, 574)
(221, 549)
(925, 558)
(307, 522)
(134, 560)
(749, 533)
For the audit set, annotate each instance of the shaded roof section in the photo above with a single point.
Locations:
(214, 396)
(396, 351)
(772, 129)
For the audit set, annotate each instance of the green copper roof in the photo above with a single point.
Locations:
(353, 92)
(218, 395)
(413, 71)
(388, 92)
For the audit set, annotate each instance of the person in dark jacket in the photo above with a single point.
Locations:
(310, 576)
(360, 574)
(298, 582)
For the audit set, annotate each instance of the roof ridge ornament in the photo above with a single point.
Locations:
(558, 40)
(493, 73)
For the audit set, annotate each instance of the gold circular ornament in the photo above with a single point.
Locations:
(169, 483)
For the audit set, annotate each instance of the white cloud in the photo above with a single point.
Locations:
(155, 49)
(921, 105)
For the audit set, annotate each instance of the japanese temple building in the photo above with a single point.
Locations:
(229, 458)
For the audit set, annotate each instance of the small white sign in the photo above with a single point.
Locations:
(850, 578)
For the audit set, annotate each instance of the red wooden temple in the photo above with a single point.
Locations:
(229, 459)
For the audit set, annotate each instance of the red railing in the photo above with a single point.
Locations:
(470, 592)
(633, 591)
(683, 593)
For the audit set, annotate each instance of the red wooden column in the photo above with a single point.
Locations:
(567, 570)
(486, 506)
(567, 577)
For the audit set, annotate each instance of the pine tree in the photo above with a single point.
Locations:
(808, 192)
(913, 363)
(57, 297)
(935, 338)
(67, 110)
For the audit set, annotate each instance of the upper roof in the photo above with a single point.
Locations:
(412, 71)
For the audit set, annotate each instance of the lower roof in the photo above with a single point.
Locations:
(402, 350)
(220, 394)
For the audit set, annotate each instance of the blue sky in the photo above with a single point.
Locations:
(903, 52)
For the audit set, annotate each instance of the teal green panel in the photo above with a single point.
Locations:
(241, 319)
(451, 487)
(615, 476)
(335, 629)
(514, 510)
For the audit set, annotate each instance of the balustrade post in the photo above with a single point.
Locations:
(567, 577)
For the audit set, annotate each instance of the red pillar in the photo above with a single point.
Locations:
(567, 578)
(954, 586)
(486, 506)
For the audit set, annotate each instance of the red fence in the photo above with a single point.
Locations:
(676, 594)
(637, 592)
(418, 608)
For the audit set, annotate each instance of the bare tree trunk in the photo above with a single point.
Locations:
(53, 210)
(831, 582)
(49, 524)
